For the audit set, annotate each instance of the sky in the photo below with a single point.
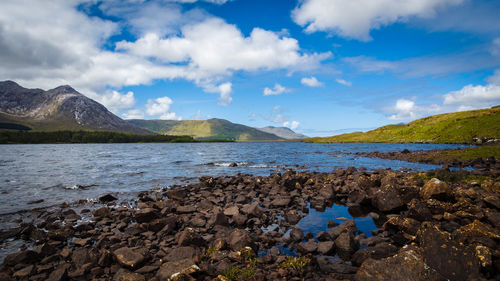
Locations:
(319, 67)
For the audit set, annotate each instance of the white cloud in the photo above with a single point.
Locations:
(161, 107)
(369, 64)
(495, 47)
(311, 82)
(276, 90)
(133, 114)
(38, 49)
(292, 125)
(469, 97)
(115, 101)
(343, 82)
(355, 18)
(198, 115)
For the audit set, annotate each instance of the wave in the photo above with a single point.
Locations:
(77, 186)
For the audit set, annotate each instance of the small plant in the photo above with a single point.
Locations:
(296, 263)
(233, 273)
(248, 272)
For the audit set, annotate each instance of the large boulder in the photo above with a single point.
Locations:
(128, 257)
(387, 199)
(408, 264)
(176, 270)
(434, 188)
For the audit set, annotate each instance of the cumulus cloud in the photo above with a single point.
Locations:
(355, 18)
(292, 125)
(161, 107)
(343, 82)
(276, 90)
(311, 82)
(38, 49)
(115, 101)
(134, 114)
(470, 97)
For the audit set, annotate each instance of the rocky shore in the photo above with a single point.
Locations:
(483, 165)
(431, 226)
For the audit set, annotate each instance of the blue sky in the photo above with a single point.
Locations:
(320, 67)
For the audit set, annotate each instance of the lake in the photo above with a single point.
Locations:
(57, 173)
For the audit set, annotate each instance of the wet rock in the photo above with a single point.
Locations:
(125, 275)
(239, 238)
(296, 234)
(310, 246)
(434, 188)
(101, 212)
(174, 269)
(326, 247)
(107, 198)
(346, 245)
(292, 217)
(190, 237)
(128, 257)
(177, 194)
(406, 265)
(332, 224)
(450, 258)
(146, 215)
(233, 164)
(323, 236)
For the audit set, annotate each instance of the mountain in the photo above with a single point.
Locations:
(61, 108)
(205, 129)
(282, 132)
(457, 127)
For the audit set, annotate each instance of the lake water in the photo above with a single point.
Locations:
(57, 173)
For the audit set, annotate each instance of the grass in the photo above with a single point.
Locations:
(296, 263)
(457, 127)
(470, 153)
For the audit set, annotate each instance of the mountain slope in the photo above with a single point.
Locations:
(282, 132)
(457, 127)
(205, 129)
(61, 108)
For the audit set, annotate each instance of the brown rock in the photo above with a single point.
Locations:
(239, 238)
(128, 257)
(326, 247)
(125, 275)
(146, 215)
(387, 199)
(177, 194)
(346, 245)
(190, 237)
(24, 272)
(102, 212)
(175, 269)
(434, 188)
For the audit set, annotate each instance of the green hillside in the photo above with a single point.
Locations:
(457, 127)
(205, 129)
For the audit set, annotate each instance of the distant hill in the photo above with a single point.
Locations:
(205, 129)
(62, 108)
(457, 127)
(283, 132)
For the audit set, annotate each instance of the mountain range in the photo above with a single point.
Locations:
(63, 108)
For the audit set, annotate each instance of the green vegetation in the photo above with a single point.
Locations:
(296, 263)
(205, 129)
(457, 127)
(451, 177)
(11, 137)
(468, 153)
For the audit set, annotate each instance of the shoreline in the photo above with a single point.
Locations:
(218, 228)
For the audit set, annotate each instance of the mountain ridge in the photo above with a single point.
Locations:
(61, 108)
(283, 132)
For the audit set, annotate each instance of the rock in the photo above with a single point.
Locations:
(177, 194)
(171, 270)
(281, 201)
(128, 257)
(308, 247)
(190, 237)
(292, 217)
(219, 219)
(25, 257)
(101, 212)
(125, 275)
(107, 198)
(493, 201)
(323, 236)
(240, 219)
(434, 188)
(358, 197)
(251, 209)
(231, 211)
(146, 215)
(233, 164)
(59, 274)
(379, 251)
(346, 245)
(239, 238)
(453, 260)
(332, 224)
(406, 265)
(181, 253)
(327, 192)
(326, 247)
(45, 250)
(483, 254)
(80, 256)
(328, 266)
(187, 209)
(478, 229)
(387, 199)
(296, 234)
(24, 272)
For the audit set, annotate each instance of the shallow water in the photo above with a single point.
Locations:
(57, 173)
